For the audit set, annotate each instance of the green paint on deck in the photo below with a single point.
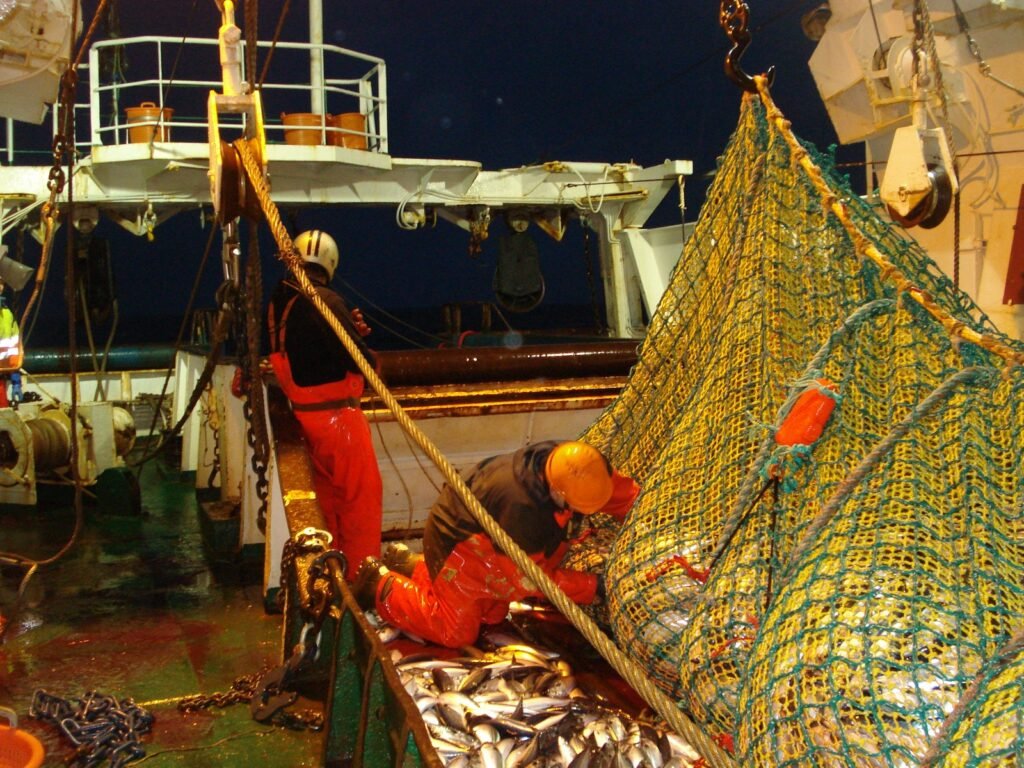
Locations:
(136, 610)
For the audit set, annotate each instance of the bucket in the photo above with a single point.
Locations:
(305, 128)
(348, 121)
(148, 114)
(17, 748)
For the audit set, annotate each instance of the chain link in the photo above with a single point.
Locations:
(975, 51)
(243, 689)
(252, 378)
(306, 541)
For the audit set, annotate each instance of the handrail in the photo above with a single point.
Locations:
(350, 82)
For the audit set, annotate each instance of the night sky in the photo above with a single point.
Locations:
(508, 83)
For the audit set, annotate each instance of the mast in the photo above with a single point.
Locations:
(316, 56)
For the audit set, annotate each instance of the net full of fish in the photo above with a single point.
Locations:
(520, 707)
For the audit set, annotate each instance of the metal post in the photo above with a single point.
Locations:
(316, 57)
(95, 122)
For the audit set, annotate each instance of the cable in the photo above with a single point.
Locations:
(366, 301)
(273, 43)
(177, 347)
(174, 68)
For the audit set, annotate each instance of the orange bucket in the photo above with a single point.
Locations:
(148, 116)
(17, 748)
(348, 121)
(305, 128)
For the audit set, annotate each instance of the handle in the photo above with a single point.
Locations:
(10, 715)
(149, 104)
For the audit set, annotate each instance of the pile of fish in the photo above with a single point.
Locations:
(520, 707)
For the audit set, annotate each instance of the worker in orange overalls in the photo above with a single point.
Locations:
(324, 385)
(463, 580)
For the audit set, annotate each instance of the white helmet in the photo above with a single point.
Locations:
(317, 247)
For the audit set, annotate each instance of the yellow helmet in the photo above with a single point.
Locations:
(581, 475)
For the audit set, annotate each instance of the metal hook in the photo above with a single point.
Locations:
(732, 17)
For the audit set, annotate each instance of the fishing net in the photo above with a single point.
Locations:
(827, 603)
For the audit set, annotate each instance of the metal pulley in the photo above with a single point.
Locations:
(920, 183)
(231, 191)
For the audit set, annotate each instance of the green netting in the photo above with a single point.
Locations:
(840, 621)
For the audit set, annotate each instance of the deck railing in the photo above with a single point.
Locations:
(175, 75)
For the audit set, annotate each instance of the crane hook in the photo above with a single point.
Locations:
(732, 17)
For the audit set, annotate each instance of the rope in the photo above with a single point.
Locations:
(864, 247)
(968, 377)
(638, 678)
(273, 43)
(1006, 655)
(746, 499)
(201, 384)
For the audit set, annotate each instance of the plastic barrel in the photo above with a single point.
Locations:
(348, 121)
(147, 116)
(305, 128)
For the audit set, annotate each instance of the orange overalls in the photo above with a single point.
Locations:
(474, 583)
(345, 472)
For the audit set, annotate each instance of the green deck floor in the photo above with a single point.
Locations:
(135, 610)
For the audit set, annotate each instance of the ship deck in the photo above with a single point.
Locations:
(137, 610)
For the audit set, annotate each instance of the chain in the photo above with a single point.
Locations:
(267, 691)
(972, 46)
(923, 27)
(244, 689)
(251, 38)
(306, 541)
(923, 31)
(100, 727)
(241, 692)
(252, 379)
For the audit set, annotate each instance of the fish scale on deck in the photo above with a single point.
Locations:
(520, 707)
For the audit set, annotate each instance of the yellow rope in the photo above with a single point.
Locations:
(715, 756)
(889, 271)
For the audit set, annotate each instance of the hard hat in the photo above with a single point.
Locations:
(317, 247)
(581, 475)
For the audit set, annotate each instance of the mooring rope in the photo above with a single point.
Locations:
(632, 673)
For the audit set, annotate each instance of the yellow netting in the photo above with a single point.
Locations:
(839, 617)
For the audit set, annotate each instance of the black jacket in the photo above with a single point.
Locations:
(315, 353)
(513, 489)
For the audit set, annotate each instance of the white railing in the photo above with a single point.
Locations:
(348, 82)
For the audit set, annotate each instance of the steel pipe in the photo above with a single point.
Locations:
(483, 364)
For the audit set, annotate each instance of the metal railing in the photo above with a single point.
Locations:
(170, 74)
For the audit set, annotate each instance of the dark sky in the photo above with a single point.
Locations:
(505, 83)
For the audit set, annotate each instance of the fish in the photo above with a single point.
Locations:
(520, 706)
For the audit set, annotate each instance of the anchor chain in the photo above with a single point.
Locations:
(306, 541)
(252, 379)
(245, 689)
(100, 727)
(269, 692)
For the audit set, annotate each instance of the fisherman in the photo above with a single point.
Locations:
(324, 385)
(463, 579)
